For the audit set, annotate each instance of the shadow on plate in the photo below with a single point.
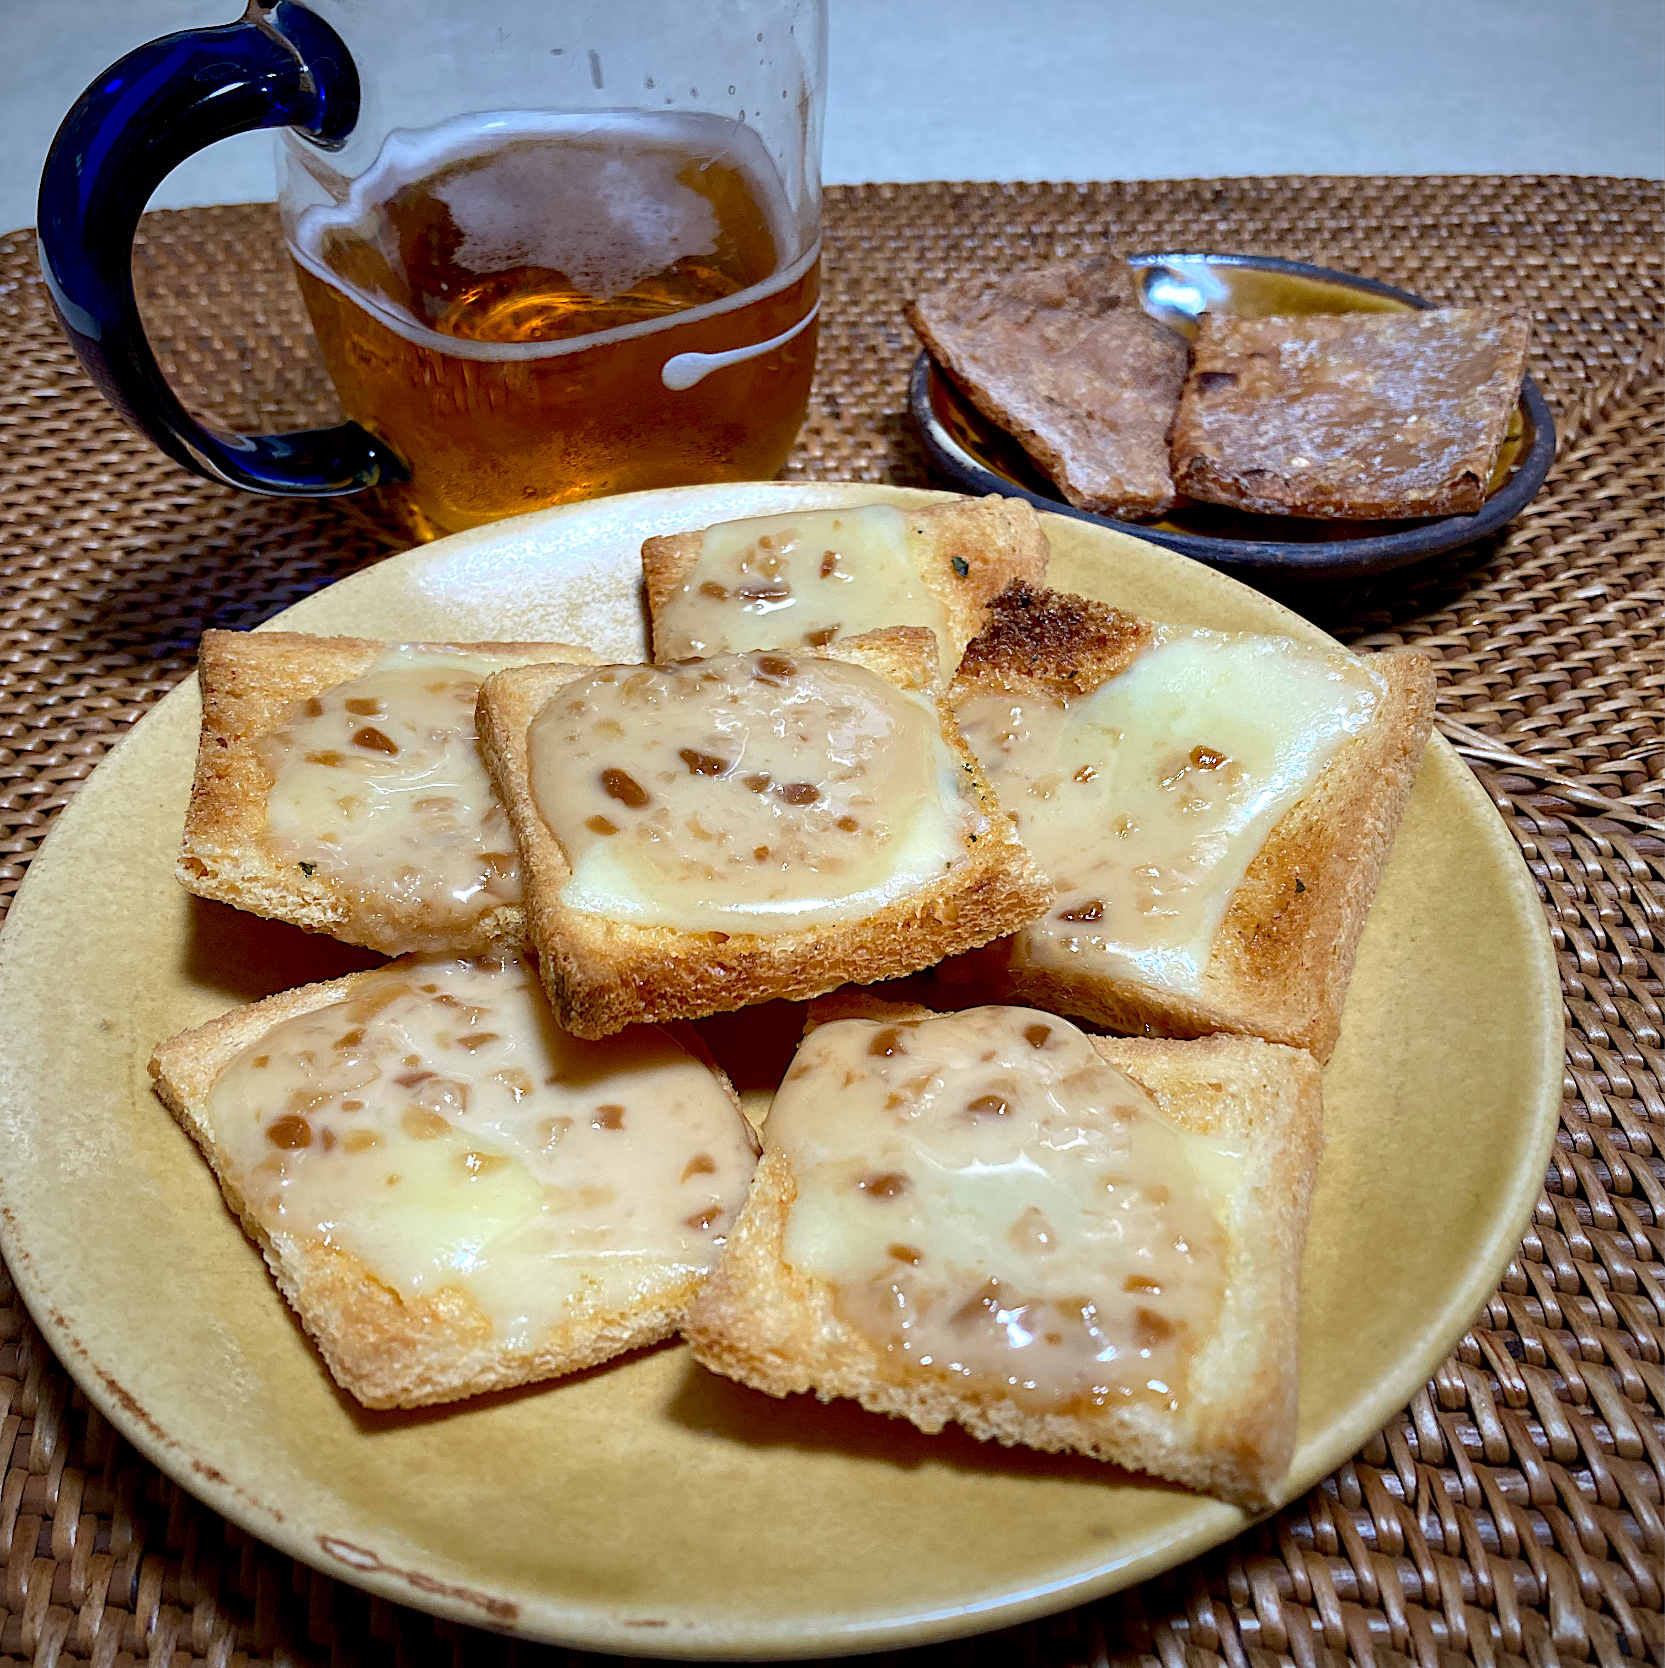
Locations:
(247, 958)
(717, 1407)
(755, 1045)
(376, 1421)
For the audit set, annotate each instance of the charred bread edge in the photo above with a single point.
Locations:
(1284, 952)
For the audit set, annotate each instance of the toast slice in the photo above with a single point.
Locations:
(1355, 416)
(340, 789)
(717, 833)
(1076, 1244)
(1213, 809)
(803, 580)
(1066, 361)
(462, 1198)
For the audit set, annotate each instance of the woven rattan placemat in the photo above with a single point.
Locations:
(1513, 1511)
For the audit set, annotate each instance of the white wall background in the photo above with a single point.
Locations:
(1070, 89)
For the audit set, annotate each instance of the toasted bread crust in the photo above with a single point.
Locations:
(602, 975)
(386, 1350)
(251, 683)
(1038, 639)
(764, 1323)
(1284, 953)
(969, 552)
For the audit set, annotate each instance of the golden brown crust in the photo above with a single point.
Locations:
(1051, 640)
(602, 975)
(386, 1350)
(251, 683)
(969, 552)
(1284, 952)
(766, 1324)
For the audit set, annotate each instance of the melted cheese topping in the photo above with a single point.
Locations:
(1146, 801)
(996, 1205)
(442, 1129)
(749, 793)
(378, 787)
(799, 581)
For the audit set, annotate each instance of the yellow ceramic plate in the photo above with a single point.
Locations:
(647, 1506)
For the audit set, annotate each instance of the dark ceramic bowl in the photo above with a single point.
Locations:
(977, 457)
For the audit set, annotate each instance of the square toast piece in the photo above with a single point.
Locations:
(1355, 416)
(804, 580)
(717, 833)
(1213, 810)
(1066, 361)
(431, 867)
(518, 1205)
(969, 1218)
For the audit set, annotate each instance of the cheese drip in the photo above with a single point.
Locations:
(995, 1205)
(799, 581)
(1146, 801)
(440, 1127)
(749, 793)
(378, 788)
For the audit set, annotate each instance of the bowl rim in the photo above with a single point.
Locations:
(1333, 558)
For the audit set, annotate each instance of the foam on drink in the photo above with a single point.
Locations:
(518, 235)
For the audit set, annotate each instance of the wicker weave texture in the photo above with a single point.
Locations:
(1513, 1512)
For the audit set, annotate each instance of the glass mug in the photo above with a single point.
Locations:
(549, 252)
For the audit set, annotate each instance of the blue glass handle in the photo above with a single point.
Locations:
(280, 66)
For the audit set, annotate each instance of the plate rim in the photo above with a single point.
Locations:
(1216, 1523)
(1272, 558)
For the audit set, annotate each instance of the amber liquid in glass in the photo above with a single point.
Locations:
(497, 299)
